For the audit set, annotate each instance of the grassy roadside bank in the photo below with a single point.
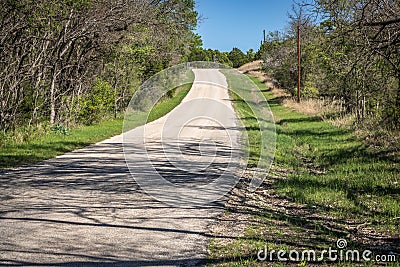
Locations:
(325, 184)
(46, 144)
(167, 104)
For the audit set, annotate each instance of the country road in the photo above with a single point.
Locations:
(85, 208)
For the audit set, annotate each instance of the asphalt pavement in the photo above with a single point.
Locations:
(146, 198)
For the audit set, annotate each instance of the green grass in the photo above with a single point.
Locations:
(321, 170)
(50, 144)
(166, 105)
(44, 144)
(330, 167)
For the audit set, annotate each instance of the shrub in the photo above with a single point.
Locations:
(97, 103)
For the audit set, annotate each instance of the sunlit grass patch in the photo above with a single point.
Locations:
(326, 183)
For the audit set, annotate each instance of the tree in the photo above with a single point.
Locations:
(351, 53)
(250, 55)
(367, 34)
(53, 51)
(237, 57)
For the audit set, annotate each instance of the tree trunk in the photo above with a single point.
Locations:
(115, 88)
(364, 110)
(52, 99)
(397, 103)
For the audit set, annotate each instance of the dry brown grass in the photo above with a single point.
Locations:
(252, 66)
(314, 107)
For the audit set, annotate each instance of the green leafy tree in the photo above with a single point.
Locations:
(97, 103)
(352, 55)
(251, 55)
(53, 51)
(237, 57)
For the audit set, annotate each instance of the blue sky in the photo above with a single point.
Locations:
(240, 23)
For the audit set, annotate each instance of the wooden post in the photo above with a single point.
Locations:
(298, 63)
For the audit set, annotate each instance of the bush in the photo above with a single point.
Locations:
(59, 129)
(97, 103)
(308, 90)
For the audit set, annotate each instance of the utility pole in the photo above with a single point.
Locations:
(265, 37)
(298, 62)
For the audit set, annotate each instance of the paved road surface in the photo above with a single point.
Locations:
(84, 208)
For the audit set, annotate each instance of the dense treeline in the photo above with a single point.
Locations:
(235, 58)
(74, 61)
(350, 55)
